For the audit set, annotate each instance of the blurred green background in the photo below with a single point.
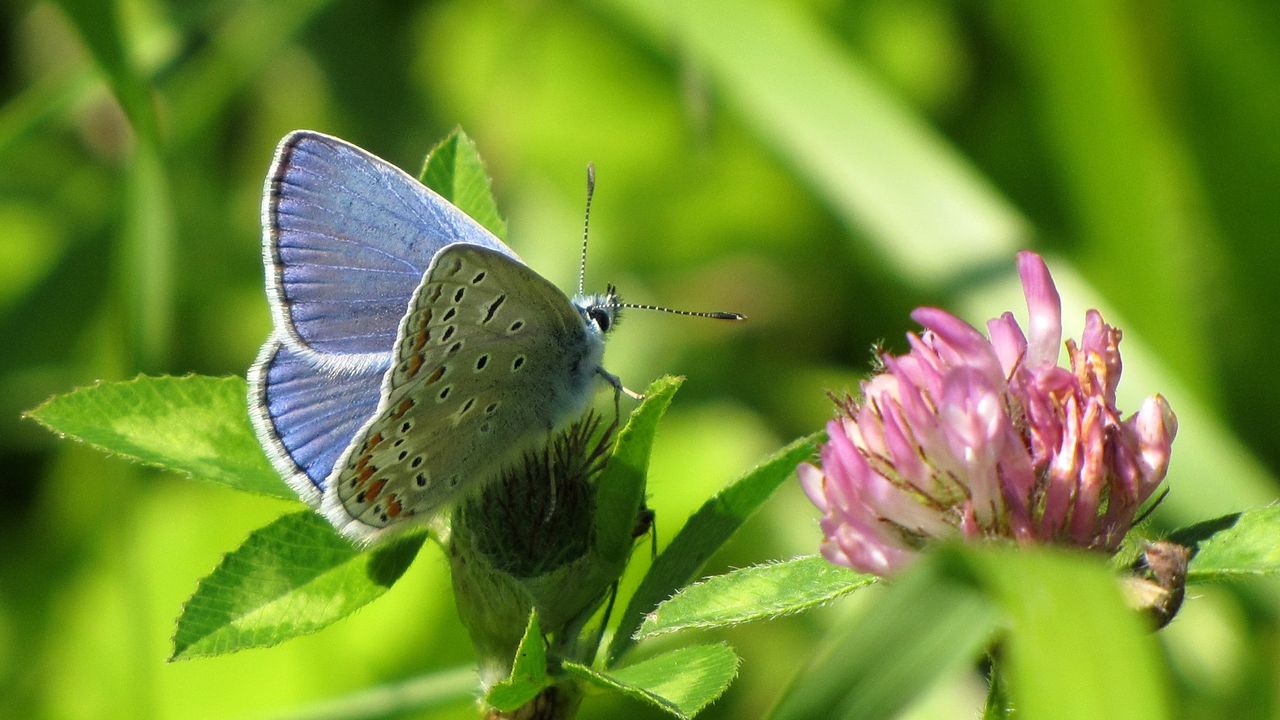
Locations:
(821, 166)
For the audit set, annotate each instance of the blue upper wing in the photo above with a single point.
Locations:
(347, 237)
(305, 416)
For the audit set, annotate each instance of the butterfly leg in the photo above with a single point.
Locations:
(646, 522)
(604, 619)
(618, 389)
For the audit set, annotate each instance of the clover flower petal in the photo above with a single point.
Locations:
(979, 436)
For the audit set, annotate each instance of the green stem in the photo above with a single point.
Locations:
(146, 268)
(423, 692)
(998, 706)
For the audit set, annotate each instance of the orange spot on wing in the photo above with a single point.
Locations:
(393, 508)
(439, 373)
(415, 364)
(365, 473)
(421, 337)
(372, 493)
(402, 408)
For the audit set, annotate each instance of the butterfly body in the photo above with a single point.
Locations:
(413, 353)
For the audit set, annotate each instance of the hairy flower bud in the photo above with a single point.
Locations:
(526, 541)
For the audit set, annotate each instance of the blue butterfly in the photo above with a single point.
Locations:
(413, 352)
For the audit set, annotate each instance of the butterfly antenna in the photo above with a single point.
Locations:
(686, 313)
(582, 265)
(586, 224)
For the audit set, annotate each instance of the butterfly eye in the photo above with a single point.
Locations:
(600, 317)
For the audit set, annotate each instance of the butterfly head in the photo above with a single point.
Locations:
(600, 311)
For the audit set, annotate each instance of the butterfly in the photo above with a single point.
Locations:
(413, 353)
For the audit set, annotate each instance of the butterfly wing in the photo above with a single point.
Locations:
(347, 237)
(490, 358)
(305, 416)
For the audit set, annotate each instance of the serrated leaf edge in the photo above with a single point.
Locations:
(177, 655)
(592, 675)
(33, 415)
(649, 618)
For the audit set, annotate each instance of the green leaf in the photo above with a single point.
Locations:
(1241, 544)
(754, 593)
(704, 533)
(925, 625)
(195, 425)
(454, 169)
(998, 706)
(528, 672)
(1075, 649)
(681, 682)
(290, 578)
(620, 487)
